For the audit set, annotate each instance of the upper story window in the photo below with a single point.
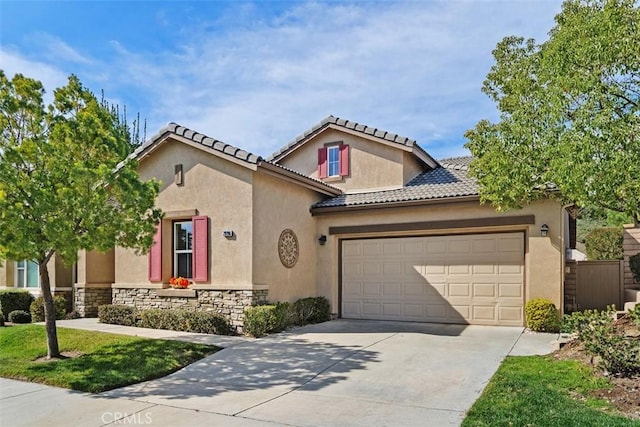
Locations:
(333, 154)
(333, 161)
(27, 275)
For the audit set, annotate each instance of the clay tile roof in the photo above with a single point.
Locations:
(449, 180)
(358, 127)
(211, 143)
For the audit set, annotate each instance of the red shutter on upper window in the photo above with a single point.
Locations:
(344, 160)
(155, 256)
(322, 163)
(200, 258)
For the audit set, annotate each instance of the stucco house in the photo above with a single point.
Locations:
(359, 215)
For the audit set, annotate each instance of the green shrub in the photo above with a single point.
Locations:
(19, 316)
(37, 308)
(118, 314)
(618, 354)
(605, 243)
(1, 319)
(580, 322)
(265, 319)
(634, 265)
(185, 320)
(634, 315)
(11, 300)
(541, 315)
(72, 315)
(311, 310)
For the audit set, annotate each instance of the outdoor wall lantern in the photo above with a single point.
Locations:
(544, 230)
(322, 239)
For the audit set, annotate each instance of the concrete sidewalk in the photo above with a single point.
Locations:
(347, 373)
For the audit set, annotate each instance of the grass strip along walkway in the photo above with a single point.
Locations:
(99, 362)
(541, 391)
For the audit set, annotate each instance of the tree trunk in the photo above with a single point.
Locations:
(49, 312)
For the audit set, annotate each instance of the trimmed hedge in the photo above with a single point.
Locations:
(118, 315)
(37, 308)
(185, 320)
(605, 243)
(312, 310)
(173, 319)
(11, 300)
(266, 319)
(1, 319)
(19, 316)
(542, 315)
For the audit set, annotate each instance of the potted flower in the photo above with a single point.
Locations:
(179, 283)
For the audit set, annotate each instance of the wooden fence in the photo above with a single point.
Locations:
(593, 285)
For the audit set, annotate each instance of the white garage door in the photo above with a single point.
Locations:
(475, 279)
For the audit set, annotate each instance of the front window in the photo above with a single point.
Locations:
(182, 249)
(333, 154)
(27, 274)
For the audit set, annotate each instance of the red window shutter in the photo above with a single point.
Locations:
(200, 257)
(344, 160)
(155, 256)
(322, 163)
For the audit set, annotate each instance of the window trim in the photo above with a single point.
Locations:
(342, 162)
(175, 252)
(26, 273)
(336, 162)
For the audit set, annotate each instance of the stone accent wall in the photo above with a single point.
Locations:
(230, 304)
(631, 246)
(87, 299)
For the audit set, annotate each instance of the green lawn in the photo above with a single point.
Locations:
(108, 361)
(540, 391)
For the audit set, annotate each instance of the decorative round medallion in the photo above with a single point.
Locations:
(288, 248)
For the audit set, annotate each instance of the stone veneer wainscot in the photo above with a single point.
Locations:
(229, 303)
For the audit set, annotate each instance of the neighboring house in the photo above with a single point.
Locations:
(361, 216)
(24, 275)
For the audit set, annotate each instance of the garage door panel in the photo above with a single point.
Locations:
(392, 289)
(484, 290)
(459, 290)
(510, 314)
(454, 279)
(513, 290)
(371, 289)
(484, 312)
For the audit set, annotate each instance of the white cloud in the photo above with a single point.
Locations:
(414, 68)
(51, 76)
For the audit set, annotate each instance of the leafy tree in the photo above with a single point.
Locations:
(570, 113)
(66, 183)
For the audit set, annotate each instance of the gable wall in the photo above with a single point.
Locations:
(373, 165)
(214, 187)
(280, 205)
(411, 167)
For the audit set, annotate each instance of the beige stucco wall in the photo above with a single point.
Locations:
(96, 267)
(373, 165)
(544, 256)
(279, 205)
(215, 187)
(411, 167)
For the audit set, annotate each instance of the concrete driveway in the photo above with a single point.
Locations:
(347, 373)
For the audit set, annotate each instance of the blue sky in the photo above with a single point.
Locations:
(257, 74)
